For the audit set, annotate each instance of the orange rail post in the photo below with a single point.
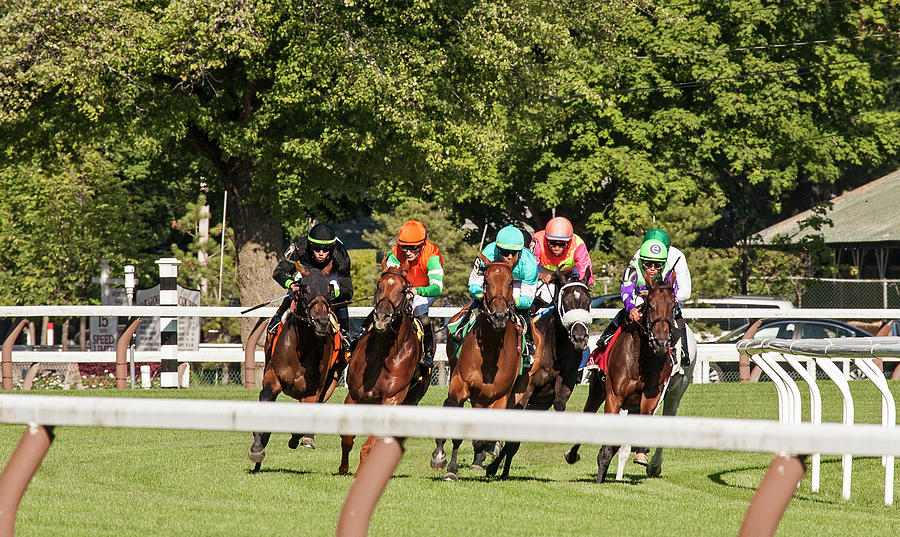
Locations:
(250, 353)
(773, 496)
(6, 356)
(370, 483)
(122, 354)
(18, 472)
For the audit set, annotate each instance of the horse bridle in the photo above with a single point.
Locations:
(404, 302)
(560, 311)
(307, 306)
(646, 325)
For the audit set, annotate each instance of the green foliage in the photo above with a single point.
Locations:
(57, 221)
(443, 231)
(199, 268)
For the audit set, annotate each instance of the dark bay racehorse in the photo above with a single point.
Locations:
(639, 366)
(305, 358)
(384, 365)
(489, 360)
(561, 336)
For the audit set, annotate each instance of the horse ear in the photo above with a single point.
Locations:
(484, 259)
(671, 278)
(301, 269)
(587, 277)
(383, 263)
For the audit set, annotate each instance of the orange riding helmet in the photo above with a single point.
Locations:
(559, 229)
(412, 233)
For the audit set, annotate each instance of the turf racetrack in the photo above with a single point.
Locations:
(134, 482)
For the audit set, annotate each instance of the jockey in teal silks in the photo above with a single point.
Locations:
(510, 248)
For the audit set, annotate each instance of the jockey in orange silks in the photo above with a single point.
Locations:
(557, 247)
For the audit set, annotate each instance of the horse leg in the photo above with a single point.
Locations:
(492, 468)
(346, 444)
(605, 455)
(508, 452)
(270, 390)
(438, 456)
(596, 397)
(452, 469)
(677, 386)
(480, 447)
(304, 440)
(364, 452)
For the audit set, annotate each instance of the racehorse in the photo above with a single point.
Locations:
(384, 364)
(639, 367)
(304, 359)
(561, 336)
(489, 360)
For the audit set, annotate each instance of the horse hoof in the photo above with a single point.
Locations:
(449, 476)
(308, 442)
(491, 471)
(572, 458)
(654, 470)
(256, 467)
(257, 457)
(477, 467)
(293, 442)
(438, 463)
(601, 478)
(344, 470)
(641, 459)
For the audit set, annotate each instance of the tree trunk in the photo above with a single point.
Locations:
(258, 244)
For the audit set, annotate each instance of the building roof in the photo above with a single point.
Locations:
(868, 214)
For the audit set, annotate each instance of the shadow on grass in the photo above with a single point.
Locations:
(251, 471)
(719, 479)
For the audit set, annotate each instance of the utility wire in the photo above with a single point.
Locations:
(757, 47)
(804, 69)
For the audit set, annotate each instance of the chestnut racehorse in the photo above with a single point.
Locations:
(384, 365)
(561, 337)
(640, 362)
(305, 359)
(489, 360)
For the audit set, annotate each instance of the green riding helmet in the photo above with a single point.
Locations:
(654, 250)
(659, 235)
(510, 238)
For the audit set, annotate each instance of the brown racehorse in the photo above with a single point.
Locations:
(304, 360)
(639, 364)
(384, 365)
(489, 360)
(561, 336)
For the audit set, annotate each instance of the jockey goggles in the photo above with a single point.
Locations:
(557, 244)
(412, 247)
(652, 264)
(506, 253)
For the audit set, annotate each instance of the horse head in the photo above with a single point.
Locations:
(497, 302)
(391, 297)
(314, 301)
(573, 305)
(658, 317)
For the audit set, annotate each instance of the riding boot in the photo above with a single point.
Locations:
(344, 324)
(276, 320)
(682, 336)
(528, 351)
(367, 322)
(427, 340)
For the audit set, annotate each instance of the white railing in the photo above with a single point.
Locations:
(768, 353)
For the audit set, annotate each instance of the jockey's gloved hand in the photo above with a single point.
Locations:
(336, 286)
(478, 265)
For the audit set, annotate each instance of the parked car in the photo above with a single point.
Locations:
(711, 328)
(783, 329)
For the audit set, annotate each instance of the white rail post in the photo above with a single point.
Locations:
(168, 326)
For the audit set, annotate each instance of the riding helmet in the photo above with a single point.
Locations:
(559, 229)
(321, 234)
(510, 238)
(412, 233)
(654, 250)
(659, 235)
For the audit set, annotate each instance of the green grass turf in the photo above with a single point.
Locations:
(124, 482)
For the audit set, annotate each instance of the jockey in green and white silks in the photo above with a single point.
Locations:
(658, 258)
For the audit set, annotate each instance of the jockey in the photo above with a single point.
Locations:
(557, 247)
(320, 249)
(510, 248)
(426, 275)
(659, 258)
